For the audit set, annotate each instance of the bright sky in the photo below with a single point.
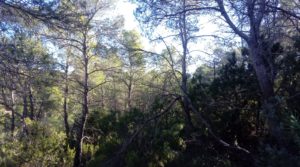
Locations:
(198, 49)
(126, 9)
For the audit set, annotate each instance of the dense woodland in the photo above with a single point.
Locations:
(77, 89)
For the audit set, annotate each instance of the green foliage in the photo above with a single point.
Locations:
(230, 100)
(41, 147)
(286, 153)
(125, 97)
(276, 157)
(132, 43)
(148, 148)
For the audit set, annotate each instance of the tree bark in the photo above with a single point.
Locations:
(25, 115)
(261, 70)
(65, 103)
(256, 10)
(102, 97)
(254, 43)
(31, 103)
(184, 41)
(79, 138)
(129, 95)
(25, 107)
(13, 112)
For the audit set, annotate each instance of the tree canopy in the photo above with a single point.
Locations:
(78, 89)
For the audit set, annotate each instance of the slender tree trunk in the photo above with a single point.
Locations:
(65, 107)
(65, 103)
(10, 107)
(80, 134)
(129, 95)
(25, 107)
(102, 97)
(31, 104)
(13, 113)
(114, 96)
(25, 115)
(185, 100)
(12, 122)
(184, 41)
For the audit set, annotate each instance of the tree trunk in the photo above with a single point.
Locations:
(261, 70)
(114, 96)
(25, 115)
(79, 138)
(184, 41)
(254, 44)
(185, 103)
(266, 84)
(31, 104)
(13, 113)
(65, 106)
(25, 107)
(129, 95)
(102, 97)
(65, 103)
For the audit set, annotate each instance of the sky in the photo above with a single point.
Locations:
(202, 47)
(126, 9)
(200, 52)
